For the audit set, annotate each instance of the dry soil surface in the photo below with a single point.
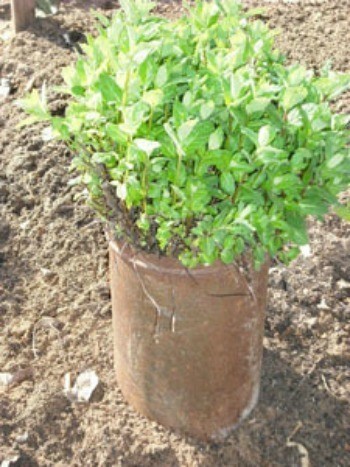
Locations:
(55, 313)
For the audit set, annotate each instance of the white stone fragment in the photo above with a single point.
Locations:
(6, 379)
(84, 386)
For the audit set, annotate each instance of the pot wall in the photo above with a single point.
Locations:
(188, 343)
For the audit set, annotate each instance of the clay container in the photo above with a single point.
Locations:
(188, 343)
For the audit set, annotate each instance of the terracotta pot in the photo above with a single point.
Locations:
(188, 343)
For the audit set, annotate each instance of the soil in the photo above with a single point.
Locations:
(55, 313)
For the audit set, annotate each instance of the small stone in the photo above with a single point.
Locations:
(311, 322)
(6, 379)
(11, 461)
(343, 285)
(24, 225)
(48, 276)
(305, 251)
(22, 438)
(5, 88)
(84, 387)
(323, 305)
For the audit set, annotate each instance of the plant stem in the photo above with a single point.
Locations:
(150, 122)
(126, 89)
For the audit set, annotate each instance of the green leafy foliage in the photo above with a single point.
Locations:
(192, 137)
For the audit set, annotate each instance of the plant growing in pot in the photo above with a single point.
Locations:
(204, 154)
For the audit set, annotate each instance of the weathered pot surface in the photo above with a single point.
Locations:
(188, 343)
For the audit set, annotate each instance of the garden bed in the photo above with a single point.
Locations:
(55, 315)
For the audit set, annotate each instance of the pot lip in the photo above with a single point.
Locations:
(163, 264)
(169, 265)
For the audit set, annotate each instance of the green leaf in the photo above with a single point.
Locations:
(270, 155)
(216, 139)
(298, 232)
(185, 129)
(295, 118)
(134, 193)
(227, 183)
(257, 105)
(109, 89)
(334, 84)
(198, 196)
(259, 255)
(104, 158)
(36, 105)
(335, 161)
(198, 138)
(207, 109)
(236, 85)
(146, 145)
(174, 138)
(187, 99)
(312, 205)
(288, 182)
(300, 158)
(297, 75)
(250, 134)
(227, 255)
(161, 77)
(208, 248)
(141, 55)
(116, 133)
(266, 135)
(293, 96)
(153, 98)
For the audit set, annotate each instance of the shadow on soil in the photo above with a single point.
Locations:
(51, 29)
(287, 400)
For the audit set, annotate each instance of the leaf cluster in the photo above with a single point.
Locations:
(194, 137)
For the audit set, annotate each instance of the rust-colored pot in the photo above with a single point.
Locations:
(188, 343)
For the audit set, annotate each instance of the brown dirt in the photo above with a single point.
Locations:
(54, 286)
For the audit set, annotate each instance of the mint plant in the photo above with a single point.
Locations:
(193, 138)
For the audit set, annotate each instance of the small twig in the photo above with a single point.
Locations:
(303, 452)
(299, 425)
(329, 390)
